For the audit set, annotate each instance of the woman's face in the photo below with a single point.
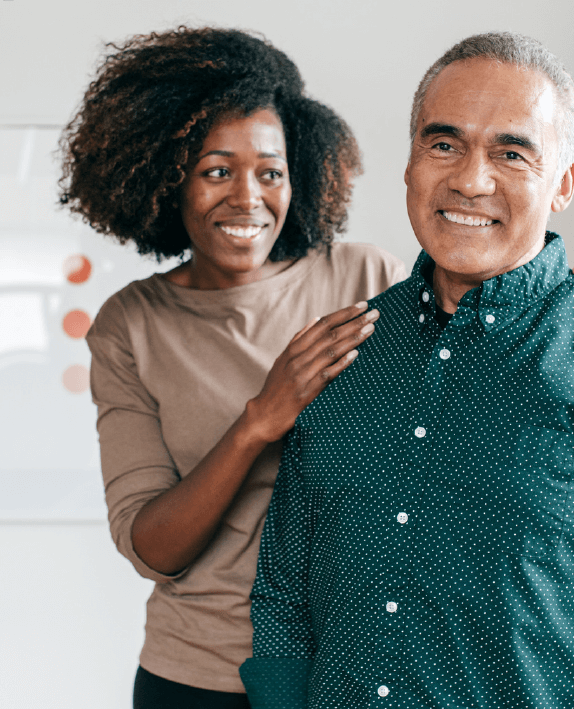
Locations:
(234, 200)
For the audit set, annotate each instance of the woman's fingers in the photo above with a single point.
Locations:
(333, 344)
(327, 357)
(327, 374)
(317, 328)
(308, 326)
(331, 329)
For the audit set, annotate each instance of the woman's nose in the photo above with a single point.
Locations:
(244, 193)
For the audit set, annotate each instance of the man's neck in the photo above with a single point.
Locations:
(450, 288)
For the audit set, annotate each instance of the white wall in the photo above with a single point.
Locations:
(72, 611)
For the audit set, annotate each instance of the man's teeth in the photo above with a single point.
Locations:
(469, 221)
(243, 232)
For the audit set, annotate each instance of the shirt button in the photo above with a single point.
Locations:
(383, 691)
(444, 354)
(421, 317)
(391, 607)
(425, 296)
(420, 432)
(402, 518)
(490, 319)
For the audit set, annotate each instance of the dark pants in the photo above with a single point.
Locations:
(152, 692)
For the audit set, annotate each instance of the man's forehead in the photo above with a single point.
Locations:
(492, 91)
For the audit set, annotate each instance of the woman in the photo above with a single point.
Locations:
(204, 139)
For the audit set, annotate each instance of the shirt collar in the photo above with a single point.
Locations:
(502, 298)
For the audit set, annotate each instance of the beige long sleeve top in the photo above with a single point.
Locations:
(172, 369)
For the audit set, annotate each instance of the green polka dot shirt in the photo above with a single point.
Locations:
(419, 547)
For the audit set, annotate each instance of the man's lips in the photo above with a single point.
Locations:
(468, 219)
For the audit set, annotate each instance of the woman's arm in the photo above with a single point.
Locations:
(171, 530)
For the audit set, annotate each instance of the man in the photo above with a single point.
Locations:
(419, 549)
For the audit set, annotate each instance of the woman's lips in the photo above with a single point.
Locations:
(242, 232)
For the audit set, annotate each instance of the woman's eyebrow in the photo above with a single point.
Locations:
(224, 153)
(273, 155)
(230, 154)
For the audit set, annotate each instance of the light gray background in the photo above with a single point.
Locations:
(72, 611)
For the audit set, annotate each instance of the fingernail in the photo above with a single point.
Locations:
(351, 355)
(372, 315)
(367, 329)
(361, 304)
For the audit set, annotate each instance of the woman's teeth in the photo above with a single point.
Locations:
(243, 232)
(469, 221)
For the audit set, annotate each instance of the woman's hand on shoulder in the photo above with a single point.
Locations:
(315, 356)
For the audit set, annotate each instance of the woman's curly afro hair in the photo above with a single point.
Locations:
(144, 118)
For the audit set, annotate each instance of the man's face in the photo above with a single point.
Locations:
(481, 172)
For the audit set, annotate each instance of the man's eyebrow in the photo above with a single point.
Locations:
(512, 139)
(230, 154)
(441, 129)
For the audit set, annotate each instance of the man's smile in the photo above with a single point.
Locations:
(468, 219)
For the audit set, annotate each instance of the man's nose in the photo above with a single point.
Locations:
(472, 176)
(244, 193)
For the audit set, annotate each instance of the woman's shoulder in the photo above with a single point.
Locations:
(365, 261)
(124, 306)
(360, 253)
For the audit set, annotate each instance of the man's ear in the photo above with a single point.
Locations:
(406, 177)
(565, 191)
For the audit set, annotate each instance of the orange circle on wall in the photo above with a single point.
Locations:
(76, 323)
(76, 378)
(77, 268)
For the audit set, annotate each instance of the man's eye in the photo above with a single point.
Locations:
(444, 147)
(511, 155)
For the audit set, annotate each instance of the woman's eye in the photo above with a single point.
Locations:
(217, 172)
(274, 174)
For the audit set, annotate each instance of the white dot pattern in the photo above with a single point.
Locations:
(469, 605)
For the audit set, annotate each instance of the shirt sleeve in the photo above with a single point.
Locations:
(136, 464)
(283, 644)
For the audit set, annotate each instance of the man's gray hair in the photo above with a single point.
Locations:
(522, 51)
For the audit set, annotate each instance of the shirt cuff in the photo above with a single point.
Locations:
(276, 682)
